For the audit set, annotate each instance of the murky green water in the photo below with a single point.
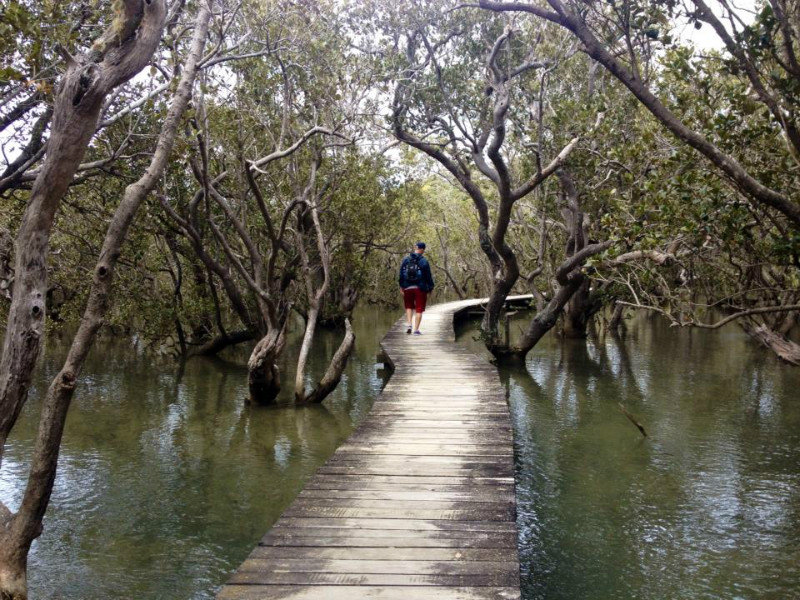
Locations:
(708, 506)
(167, 480)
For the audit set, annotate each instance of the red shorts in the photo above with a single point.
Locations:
(415, 299)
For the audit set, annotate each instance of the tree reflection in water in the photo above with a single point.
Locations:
(166, 479)
(707, 506)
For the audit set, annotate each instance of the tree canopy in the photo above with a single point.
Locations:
(199, 174)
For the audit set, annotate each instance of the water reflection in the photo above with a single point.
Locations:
(166, 479)
(706, 507)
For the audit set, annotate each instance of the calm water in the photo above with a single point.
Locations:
(167, 480)
(708, 506)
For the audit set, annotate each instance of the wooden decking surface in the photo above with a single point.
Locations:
(418, 504)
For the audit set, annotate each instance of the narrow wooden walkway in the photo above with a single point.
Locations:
(418, 504)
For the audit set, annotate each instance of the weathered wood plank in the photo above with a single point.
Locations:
(383, 579)
(389, 434)
(451, 436)
(420, 470)
(339, 511)
(482, 415)
(366, 592)
(410, 539)
(382, 466)
(402, 503)
(275, 564)
(398, 425)
(358, 523)
(404, 481)
(382, 553)
(387, 441)
(292, 531)
(428, 461)
(418, 504)
(465, 495)
(422, 425)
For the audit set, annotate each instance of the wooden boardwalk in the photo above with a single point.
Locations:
(418, 504)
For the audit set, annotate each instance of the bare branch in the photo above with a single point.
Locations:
(691, 323)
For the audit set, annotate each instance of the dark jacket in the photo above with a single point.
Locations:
(426, 281)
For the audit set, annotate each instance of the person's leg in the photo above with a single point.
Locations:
(420, 300)
(408, 303)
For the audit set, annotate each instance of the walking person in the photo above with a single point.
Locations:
(416, 281)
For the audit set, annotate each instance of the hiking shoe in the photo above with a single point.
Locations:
(408, 330)
(417, 332)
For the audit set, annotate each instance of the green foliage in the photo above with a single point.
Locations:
(336, 64)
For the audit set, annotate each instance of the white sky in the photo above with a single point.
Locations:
(705, 38)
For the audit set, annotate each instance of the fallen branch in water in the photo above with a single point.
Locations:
(631, 418)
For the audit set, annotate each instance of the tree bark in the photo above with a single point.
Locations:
(23, 527)
(263, 374)
(338, 363)
(783, 347)
(222, 341)
(546, 319)
(577, 307)
(6, 264)
(569, 278)
(501, 288)
(88, 80)
(305, 348)
(616, 320)
(577, 312)
(13, 567)
(333, 373)
(316, 298)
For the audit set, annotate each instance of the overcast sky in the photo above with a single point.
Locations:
(705, 38)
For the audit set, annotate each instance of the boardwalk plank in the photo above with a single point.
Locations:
(381, 496)
(292, 531)
(418, 504)
(404, 481)
(343, 511)
(378, 553)
(378, 567)
(409, 539)
(384, 579)
(406, 592)
(357, 524)
(462, 495)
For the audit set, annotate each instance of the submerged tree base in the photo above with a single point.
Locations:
(264, 393)
(263, 374)
(507, 355)
(13, 579)
(334, 372)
